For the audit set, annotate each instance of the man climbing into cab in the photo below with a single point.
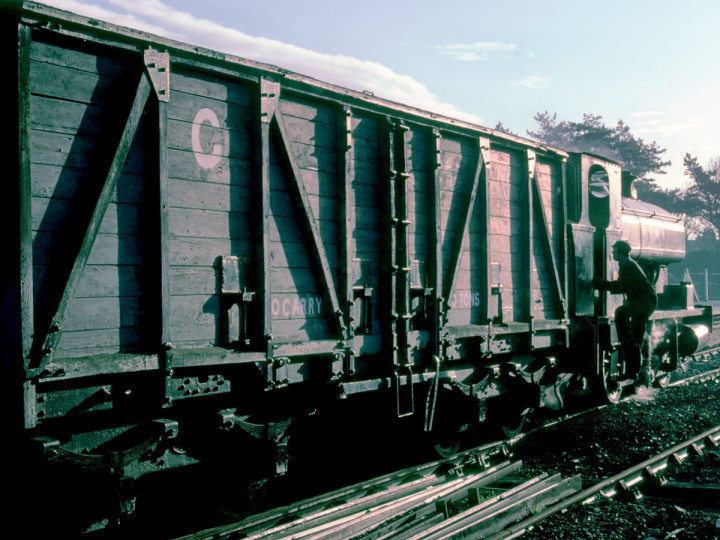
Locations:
(640, 302)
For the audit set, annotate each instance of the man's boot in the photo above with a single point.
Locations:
(630, 353)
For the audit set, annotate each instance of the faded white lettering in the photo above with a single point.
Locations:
(465, 299)
(286, 307)
(290, 307)
(204, 159)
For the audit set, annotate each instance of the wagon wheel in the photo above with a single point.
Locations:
(610, 387)
(450, 441)
(447, 448)
(513, 425)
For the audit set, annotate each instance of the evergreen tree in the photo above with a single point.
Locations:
(699, 203)
(616, 143)
(702, 197)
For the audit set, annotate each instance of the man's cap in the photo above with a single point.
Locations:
(622, 246)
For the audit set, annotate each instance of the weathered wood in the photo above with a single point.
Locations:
(112, 280)
(315, 111)
(166, 331)
(66, 117)
(208, 196)
(24, 40)
(232, 143)
(244, 201)
(267, 99)
(564, 242)
(309, 223)
(76, 59)
(104, 313)
(297, 280)
(548, 255)
(79, 86)
(54, 332)
(16, 273)
(183, 165)
(208, 223)
(289, 255)
(308, 157)
(62, 153)
(285, 230)
(108, 248)
(232, 120)
(204, 252)
(461, 230)
(324, 207)
(193, 280)
(309, 134)
(528, 236)
(202, 84)
(87, 344)
(51, 215)
(302, 330)
(438, 307)
(346, 161)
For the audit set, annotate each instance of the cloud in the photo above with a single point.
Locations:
(664, 123)
(362, 75)
(477, 51)
(533, 81)
(680, 130)
(94, 11)
(644, 114)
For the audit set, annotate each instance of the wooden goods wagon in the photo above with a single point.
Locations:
(194, 242)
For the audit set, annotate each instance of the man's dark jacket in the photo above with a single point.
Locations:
(636, 287)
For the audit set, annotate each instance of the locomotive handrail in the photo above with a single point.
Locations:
(637, 211)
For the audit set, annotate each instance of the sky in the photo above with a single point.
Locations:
(651, 63)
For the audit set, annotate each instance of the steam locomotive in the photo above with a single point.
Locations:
(199, 250)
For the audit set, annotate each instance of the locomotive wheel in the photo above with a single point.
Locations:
(660, 378)
(610, 386)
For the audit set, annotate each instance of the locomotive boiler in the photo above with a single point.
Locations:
(200, 250)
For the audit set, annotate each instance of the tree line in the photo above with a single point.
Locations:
(698, 202)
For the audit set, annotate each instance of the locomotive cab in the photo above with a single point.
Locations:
(603, 208)
(594, 215)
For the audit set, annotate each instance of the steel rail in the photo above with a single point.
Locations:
(360, 497)
(415, 502)
(700, 377)
(625, 484)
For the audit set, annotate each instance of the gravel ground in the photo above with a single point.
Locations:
(604, 443)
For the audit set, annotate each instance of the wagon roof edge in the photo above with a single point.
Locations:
(92, 26)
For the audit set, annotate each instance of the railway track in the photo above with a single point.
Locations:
(648, 477)
(370, 504)
(476, 493)
(712, 374)
(480, 492)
